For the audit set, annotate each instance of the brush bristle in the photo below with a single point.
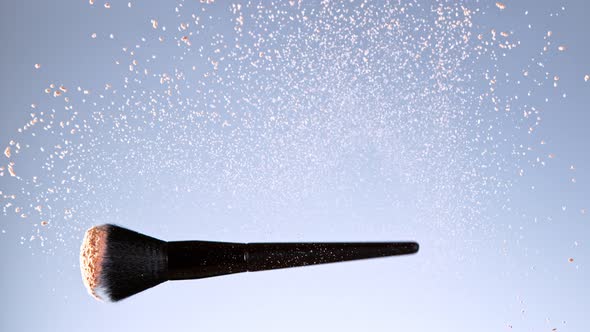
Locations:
(117, 263)
(91, 254)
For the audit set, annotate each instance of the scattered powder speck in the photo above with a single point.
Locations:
(11, 170)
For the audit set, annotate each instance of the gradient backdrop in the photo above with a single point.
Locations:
(461, 125)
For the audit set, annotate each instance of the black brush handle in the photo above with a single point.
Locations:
(202, 259)
(270, 256)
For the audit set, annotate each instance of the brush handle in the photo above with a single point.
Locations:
(270, 256)
(202, 259)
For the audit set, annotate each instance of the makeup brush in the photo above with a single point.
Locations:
(117, 262)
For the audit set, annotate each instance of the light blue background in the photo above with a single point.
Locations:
(506, 266)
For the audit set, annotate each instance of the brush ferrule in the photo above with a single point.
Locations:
(203, 259)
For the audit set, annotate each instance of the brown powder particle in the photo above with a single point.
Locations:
(11, 170)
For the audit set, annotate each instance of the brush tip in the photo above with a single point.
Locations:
(91, 258)
(116, 262)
